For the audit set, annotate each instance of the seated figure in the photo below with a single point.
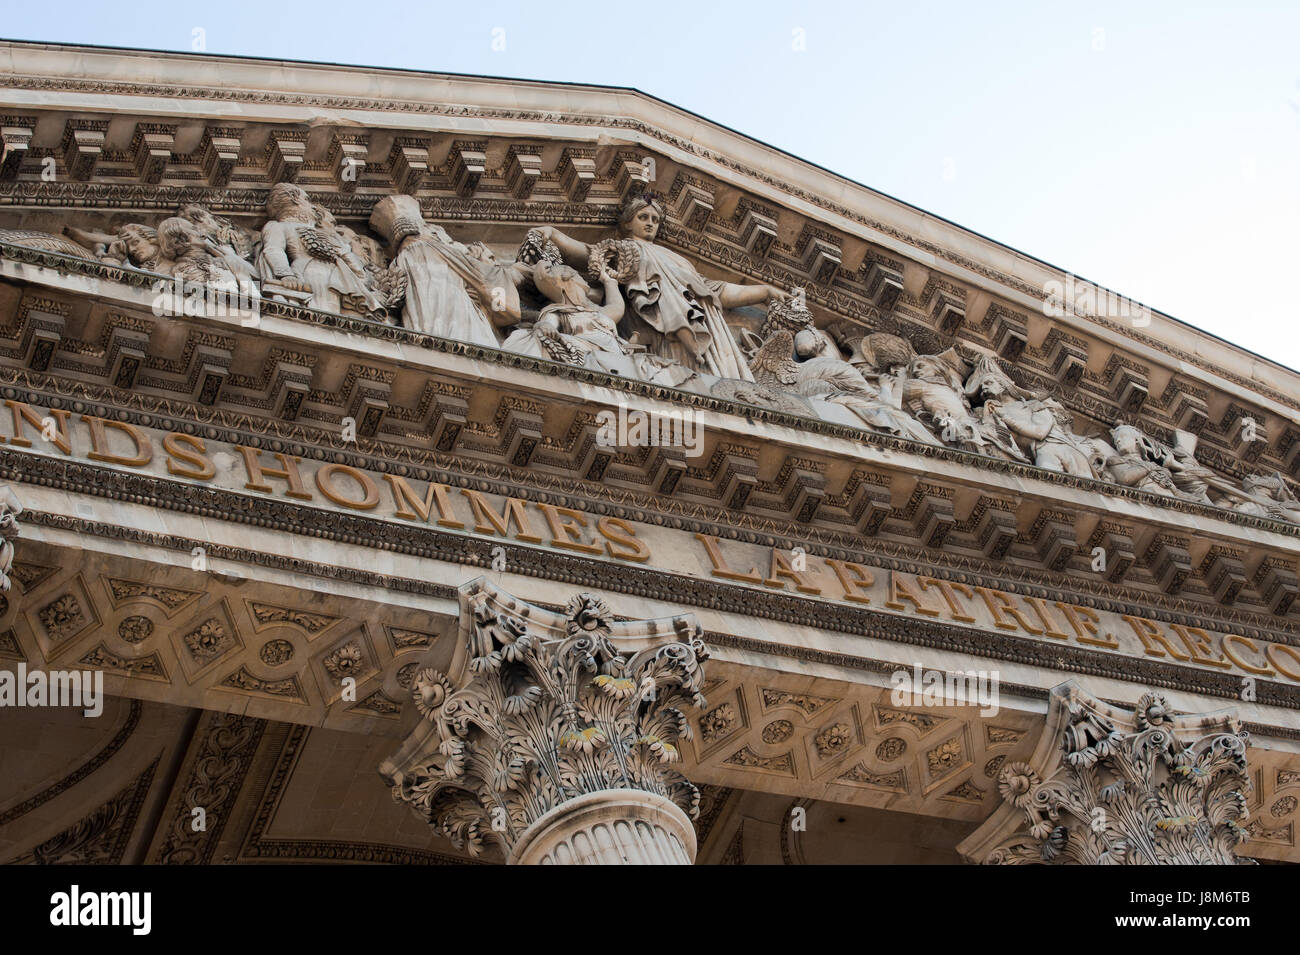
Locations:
(575, 330)
(186, 254)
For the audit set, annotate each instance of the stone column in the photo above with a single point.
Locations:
(553, 739)
(1110, 786)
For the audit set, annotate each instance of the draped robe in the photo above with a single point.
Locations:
(450, 290)
(677, 313)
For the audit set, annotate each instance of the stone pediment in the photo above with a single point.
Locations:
(921, 389)
(101, 148)
(910, 444)
(1060, 429)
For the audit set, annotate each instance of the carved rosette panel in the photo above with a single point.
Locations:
(1107, 786)
(544, 709)
(208, 637)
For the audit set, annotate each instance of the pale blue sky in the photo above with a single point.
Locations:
(1151, 148)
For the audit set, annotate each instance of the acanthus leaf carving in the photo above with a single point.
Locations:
(547, 708)
(1107, 786)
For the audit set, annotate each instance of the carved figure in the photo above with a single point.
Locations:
(305, 260)
(575, 330)
(1011, 416)
(186, 254)
(1268, 495)
(10, 508)
(1125, 464)
(133, 245)
(797, 355)
(1192, 479)
(932, 392)
(447, 288)
(674, 311)
(230, 243)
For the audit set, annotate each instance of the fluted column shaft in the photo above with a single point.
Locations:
(610, 827)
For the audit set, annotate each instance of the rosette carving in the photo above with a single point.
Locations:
(1115, 787)
(547, 707)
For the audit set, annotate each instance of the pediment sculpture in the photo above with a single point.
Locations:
(673, 310)
(305, 258)
(626, 305)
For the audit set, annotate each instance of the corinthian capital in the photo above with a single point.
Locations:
(554, 737)
(1108, 786)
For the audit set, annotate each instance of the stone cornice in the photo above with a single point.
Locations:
(137, 284)
(85, 78)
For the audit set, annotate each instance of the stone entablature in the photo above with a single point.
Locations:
(538, 434)
(416, 510)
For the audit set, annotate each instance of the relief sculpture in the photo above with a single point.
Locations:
(673, 310)
(627, 305)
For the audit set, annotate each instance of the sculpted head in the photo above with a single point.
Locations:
(398, 217)
(324, 218)
(560, 283)
(1126, 438)
(200, 216)
(136, 243)
(924, 367)
(641, 218)
(178, 237)
(288, 202)
(990, 382)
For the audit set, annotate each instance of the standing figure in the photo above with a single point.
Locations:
(301, 256)
(675, 312)
(449, 289)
